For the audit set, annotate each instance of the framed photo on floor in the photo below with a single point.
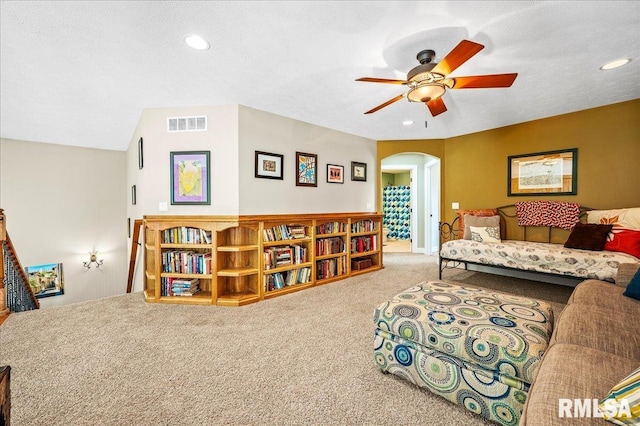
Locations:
(190, 177)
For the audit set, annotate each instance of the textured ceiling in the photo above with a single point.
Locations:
(80, 73)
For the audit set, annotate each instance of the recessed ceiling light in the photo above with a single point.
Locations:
(615, 64)
(407, 122)
(196, 42)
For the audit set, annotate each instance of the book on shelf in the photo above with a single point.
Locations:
(284, 232)
(186, 235)
(171, 286)
(280, 280)
(331, 228)
(365, 225)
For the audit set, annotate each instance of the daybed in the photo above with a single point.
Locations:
(542, 245)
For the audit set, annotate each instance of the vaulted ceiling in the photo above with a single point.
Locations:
(80, 73)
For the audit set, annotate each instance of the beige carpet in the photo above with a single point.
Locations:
(300, 359)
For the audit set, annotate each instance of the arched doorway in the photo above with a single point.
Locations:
(411, 201)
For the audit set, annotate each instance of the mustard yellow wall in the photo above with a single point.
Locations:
(474, 167)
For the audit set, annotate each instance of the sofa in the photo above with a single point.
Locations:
(594, 345)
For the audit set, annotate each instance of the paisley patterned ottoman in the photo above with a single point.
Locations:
(476, 348)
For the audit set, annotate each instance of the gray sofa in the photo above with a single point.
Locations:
(595, 344)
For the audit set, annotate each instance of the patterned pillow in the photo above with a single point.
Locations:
(478, 221)
(486, 234)
(478, 212)
(622, 405)
(588, 236)
(619, 218)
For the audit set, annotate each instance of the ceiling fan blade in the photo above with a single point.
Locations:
(458, 56)
(483, 81)
(436, 106)
(389, 102)
(381, 80)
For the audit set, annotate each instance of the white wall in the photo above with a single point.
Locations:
(262, 131)
(62, 202)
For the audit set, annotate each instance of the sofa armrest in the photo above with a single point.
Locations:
(626, 271)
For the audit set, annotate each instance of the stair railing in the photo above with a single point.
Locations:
(16, 294)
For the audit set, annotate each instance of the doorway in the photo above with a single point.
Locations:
(411, 203)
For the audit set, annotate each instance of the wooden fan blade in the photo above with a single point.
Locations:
(436, 106)
(381, 80)
(458, 56)
(389, 102)
(483, 81)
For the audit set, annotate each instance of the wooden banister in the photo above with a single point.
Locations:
(135, 243)
(4, 312)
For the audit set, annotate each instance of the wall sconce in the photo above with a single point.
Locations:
(93, 257)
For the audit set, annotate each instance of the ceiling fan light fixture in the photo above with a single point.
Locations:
(615, 64)
(426, 92)
(196, 42)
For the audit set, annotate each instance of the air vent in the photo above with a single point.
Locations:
(187, 124)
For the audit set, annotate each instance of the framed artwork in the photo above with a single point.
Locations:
(306, 169)
(543, 173)
(335, 173)
(190, 177)
(46, 280)
(140, 155)
(133, 195)
(358, 171)
(268, 165)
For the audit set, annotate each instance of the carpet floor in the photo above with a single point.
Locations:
(301, 359)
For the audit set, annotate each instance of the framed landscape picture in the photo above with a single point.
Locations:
(335, 173)
(306, 169)
(46, 280)
(358, 171)
(543, 173)
(190, 177)
(268, 165)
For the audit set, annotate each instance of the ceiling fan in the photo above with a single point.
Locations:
(429, 81)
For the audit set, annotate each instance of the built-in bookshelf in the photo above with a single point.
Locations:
(331, 250)
(235, 260)
(286, 257)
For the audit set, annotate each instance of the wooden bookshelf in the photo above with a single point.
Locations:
(238, 260)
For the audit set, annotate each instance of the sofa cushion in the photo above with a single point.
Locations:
(565, 374)
(485, 234)
(479, 221)
(603, 294)
(598, 328)
(622, 405)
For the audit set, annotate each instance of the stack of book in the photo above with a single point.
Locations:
(180, 287)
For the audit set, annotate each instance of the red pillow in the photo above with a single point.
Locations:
(624, 241)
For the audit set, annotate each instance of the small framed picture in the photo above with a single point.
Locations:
(190, 177)
(133, 195)
(268, 165)
(140, 154)
(358, 171)
(306, 169)
(335, 173)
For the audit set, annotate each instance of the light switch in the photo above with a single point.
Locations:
(455, 206)
(163, 206)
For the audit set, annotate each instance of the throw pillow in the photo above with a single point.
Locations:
(622, 405)
(633, 288)
(619, 218)
(477, 212)
(486, 234)
(588, 236)
(624, 241)
(479, 221)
